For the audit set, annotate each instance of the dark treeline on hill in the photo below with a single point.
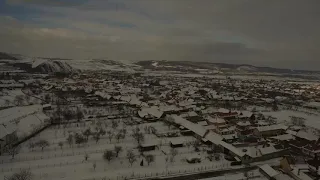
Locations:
(148, 64)
(7, 56)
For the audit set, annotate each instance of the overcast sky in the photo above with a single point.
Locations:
(278, 33)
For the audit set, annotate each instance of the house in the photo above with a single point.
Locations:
(217, 121)
(46, 107)
(176, 142)
(148, 146)
(272, 130)
(243, 128)
(268, 171)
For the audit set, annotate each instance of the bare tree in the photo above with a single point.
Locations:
(124, 132)
(6, 102)
(96, 137)
(131, 157)
(79, 114)
(31, 145)
(298, 121)
(173, 153)
(42, 143)
(70, 140)
(138, 136)
(102, 132)
(196, 144)
(108, 155)
(94, 165)
(115, 124)
(169, 121)
(14, 150)
(118, 136)
(60, 144)
(110, 135)
(18, 100)
(24, 174)
(27, 99)
(149, 158)
(86, 156)
(117, 149)
(87, 133)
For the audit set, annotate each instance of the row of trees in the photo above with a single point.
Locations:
(131, 157)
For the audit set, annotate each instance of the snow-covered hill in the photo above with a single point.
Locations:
(49, 66)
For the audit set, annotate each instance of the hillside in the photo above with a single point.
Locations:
(196, 66)
(6, 56)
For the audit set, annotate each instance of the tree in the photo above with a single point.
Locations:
(24, 174)
(108, 155)
(275, 106)
(27, 99)
(86, 156)
(102, 132)
(70, 140)
(123, 132)
(47, 98)
(42, 143)
(79, 114)
(60, 144)
(131, 157)
(94, 165)
(110, 135)
(196, 144)
(115, 124)
(138, 136)
(79, 139)
(117, 149)
(68, 114)
(173, 153)
(118, 136)
(297, 121)
(87, 133)
(18, 100)
(149, 158)
(31, 145)
(14, 150)
(96, 137)
(169, 121)
(6, 102)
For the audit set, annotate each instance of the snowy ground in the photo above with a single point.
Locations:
(69, 163)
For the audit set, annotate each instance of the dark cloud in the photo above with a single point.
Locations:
(282, 33)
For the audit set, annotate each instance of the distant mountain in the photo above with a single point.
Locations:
(197, 66)
(6, 56)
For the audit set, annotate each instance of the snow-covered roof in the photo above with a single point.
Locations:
(283, 137)
(176, 141)
(192, 114)
(246, 123)
(153, 111)
(267, 150)
(223, 110)
(307, 135)
(269, 170)
(196, 128)
(272, 127)
(215, 120)
(232, 148)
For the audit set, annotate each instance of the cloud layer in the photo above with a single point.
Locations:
(283, 33)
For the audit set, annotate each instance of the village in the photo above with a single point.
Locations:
(123, 125)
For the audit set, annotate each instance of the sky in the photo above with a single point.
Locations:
(277, 33)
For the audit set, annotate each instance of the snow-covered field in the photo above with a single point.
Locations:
(68, 162)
